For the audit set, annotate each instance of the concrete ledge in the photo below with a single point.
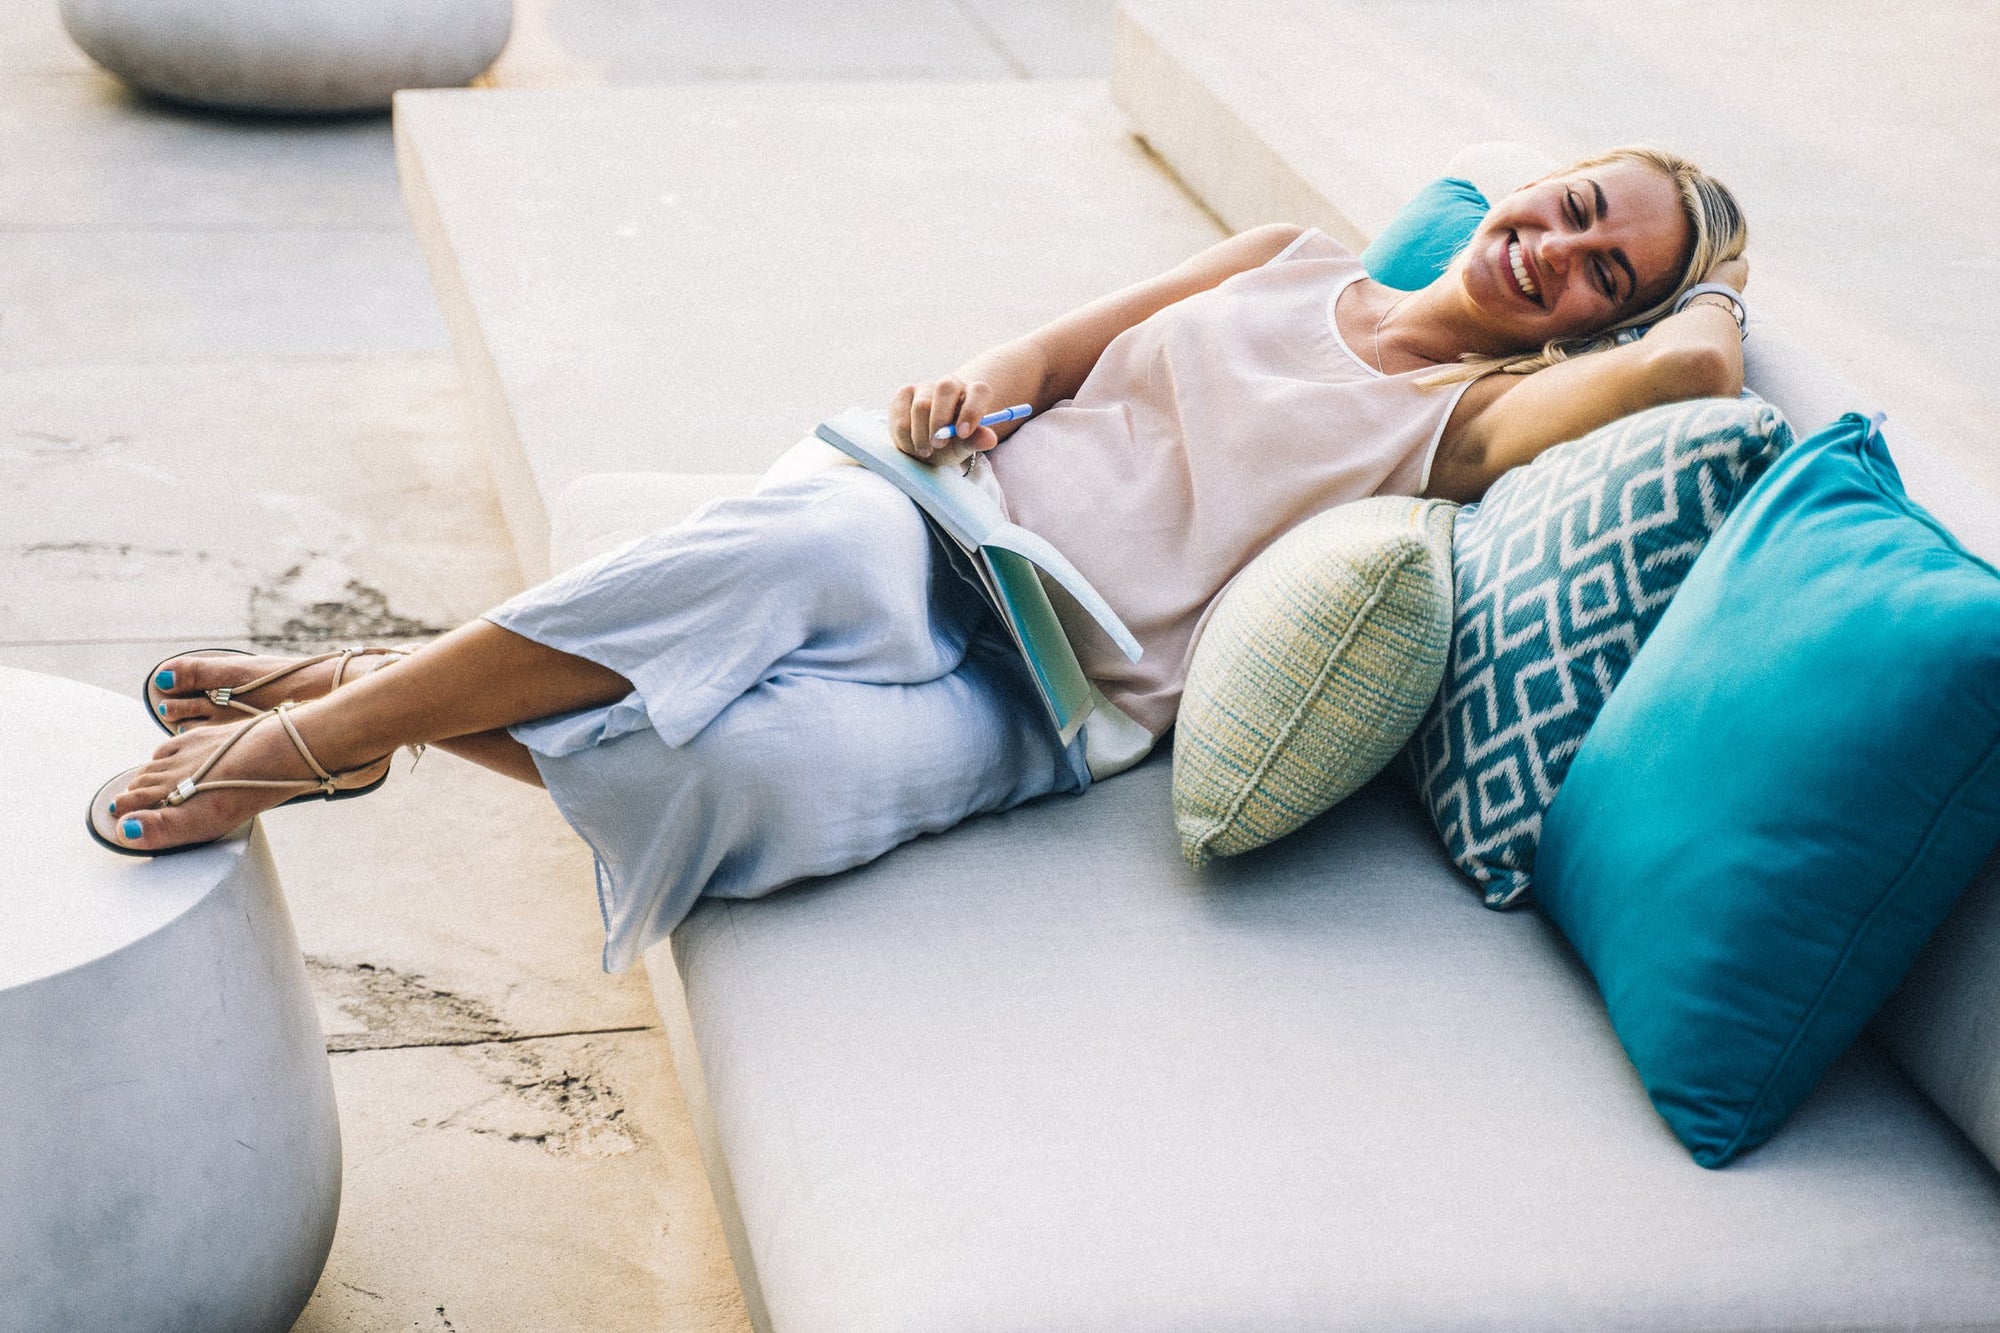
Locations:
(688, 279)
(1222, 127)
(1313, 114)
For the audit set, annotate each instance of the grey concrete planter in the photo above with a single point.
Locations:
(290, 55)
(169, 1143)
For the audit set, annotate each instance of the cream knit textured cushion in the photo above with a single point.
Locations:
(1312, 672)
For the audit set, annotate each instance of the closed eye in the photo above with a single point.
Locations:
(1573, 205)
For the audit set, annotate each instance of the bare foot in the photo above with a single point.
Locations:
(264, 754)
(187, 706)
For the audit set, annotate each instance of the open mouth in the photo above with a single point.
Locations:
(1522, 278)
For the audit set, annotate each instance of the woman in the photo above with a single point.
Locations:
(794, 682)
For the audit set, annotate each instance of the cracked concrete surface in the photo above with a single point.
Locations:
(289, 610)
(364, 1007)
(565, 1104)
(230, 417)
(567, 1108)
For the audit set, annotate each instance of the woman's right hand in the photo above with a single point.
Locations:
(918, 411)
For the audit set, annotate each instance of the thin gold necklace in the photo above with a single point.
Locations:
(1379, 367)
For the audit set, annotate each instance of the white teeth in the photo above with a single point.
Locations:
(1520, 269)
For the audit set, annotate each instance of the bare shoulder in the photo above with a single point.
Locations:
(1249, 249)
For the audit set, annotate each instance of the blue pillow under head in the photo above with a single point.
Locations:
(1421, 240)
(1781, 800)
(1559, 575)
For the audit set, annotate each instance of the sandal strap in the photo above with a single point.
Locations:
(222, 697)
(326, 783)
(225, 696)
(284, 712)
(347, 655)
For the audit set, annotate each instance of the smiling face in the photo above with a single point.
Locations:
(1576, 253)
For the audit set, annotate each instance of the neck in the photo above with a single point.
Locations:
(1435, 324)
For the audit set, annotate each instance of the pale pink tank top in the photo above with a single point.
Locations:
(1201, 436)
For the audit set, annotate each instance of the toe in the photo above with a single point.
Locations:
(176, 676)
(133, 829)
(191, 675)
(179, 712)
(123, 802)
(167, 676)
(144, 793)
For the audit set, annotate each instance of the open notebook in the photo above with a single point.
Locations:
(1008, 561)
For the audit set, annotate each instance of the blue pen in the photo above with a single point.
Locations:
(1020, 413)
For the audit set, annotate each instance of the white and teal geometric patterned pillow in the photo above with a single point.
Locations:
(1561, 572)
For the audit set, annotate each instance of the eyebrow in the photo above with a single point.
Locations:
(1618, 256)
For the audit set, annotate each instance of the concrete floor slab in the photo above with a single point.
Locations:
(553, 218)
(579, 1142)
(654, 41)
(1864, 166)
(129, 295)
(1048, 39)
(287, 500)
(32, 41)
(478, 908)
(63, 137)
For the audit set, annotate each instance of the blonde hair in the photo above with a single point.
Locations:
(1719, 233)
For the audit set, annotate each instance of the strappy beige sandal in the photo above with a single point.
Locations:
(323, 786)
(227, 697)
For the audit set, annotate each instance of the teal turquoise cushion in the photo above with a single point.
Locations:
(1561, 572)
(1421, 240)
(1795, 780)
(1314, 668)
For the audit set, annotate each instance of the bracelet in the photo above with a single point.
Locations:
(1727, 293)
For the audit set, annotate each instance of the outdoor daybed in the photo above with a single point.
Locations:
(1038, 1074)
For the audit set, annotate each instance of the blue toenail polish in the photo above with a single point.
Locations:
(161, 709)
(130, 828)
(164, 681)
(112, 808)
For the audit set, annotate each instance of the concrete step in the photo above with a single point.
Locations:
(687, 279)
(1864, 167)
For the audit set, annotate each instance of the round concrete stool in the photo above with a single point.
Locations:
(169, 1150)
(290, 55)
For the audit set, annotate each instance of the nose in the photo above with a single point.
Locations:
(1559, 250)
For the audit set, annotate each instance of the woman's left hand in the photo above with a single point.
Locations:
(1735, 272)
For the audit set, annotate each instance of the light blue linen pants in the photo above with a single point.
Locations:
(813, 683)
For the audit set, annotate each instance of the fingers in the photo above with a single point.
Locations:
(919, 411)
(1735, 272)
(928, 401)
(978, 401)
(899, 418)
(947, 398)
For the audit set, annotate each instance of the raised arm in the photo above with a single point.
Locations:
(1504, 421)
(1050, 364)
